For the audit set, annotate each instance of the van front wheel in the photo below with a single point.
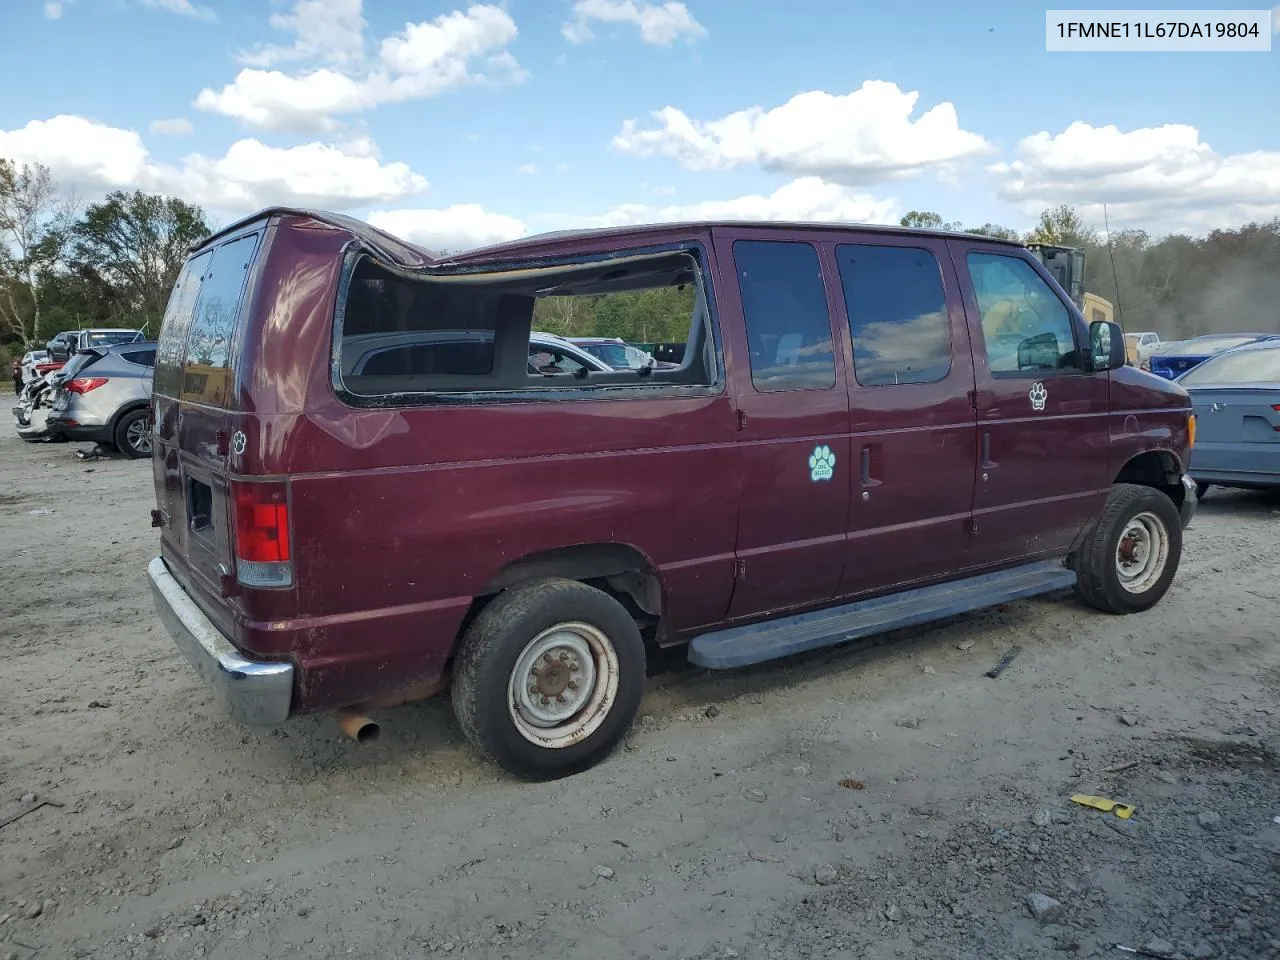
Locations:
(1129, 559)
(549, 678)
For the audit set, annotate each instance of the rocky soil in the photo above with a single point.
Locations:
(886, 800)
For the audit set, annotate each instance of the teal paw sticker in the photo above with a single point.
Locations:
(822, 463)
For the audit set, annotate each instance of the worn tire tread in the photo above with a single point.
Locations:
(484, 643)
(1095, 562)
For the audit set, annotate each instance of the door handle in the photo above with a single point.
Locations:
(987, 462)
(867, 480)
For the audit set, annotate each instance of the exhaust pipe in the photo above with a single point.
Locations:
(357, 726)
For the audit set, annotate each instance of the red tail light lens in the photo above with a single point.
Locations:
(262, 533)
(83, 385)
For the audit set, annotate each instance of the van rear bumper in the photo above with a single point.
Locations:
(257, 693)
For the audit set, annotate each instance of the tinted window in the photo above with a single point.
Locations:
(897, 314)
(459, 358)
(1027, 329)
(209, 343)
(146, 358)
(176, 323)
(784, 304)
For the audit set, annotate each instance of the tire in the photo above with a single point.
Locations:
(577, 628)
(1140, 515)
(126, 437)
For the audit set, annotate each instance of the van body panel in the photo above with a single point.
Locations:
(1043, 434)
(791, 527)
(913, 452)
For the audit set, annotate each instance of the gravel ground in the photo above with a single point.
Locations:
(883, 800)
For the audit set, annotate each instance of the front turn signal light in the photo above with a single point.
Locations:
(1191, 430)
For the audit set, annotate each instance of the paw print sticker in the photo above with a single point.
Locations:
(822, 463)
(1038, 396)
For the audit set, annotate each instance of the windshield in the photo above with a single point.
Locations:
(1202, 345)
(1247, 366)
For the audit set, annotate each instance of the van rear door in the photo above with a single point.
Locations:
(193, 397)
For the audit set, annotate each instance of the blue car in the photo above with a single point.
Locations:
(1176, 359)
(1236, 398)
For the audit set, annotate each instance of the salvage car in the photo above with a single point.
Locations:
(1174, 359)
(1236, 397)
(107, 399)
(836, 455)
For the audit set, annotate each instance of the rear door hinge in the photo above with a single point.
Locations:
(739, 570)
(742, 419)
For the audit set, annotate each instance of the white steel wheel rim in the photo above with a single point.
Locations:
(1142, 552)
(563, 685)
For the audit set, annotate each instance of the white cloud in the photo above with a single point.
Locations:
(93, 158)
(183, 8)
(856, 138)
(176, 127)
(804, 199)
(459, 227)
(422, 60)
(1157, 178)
(53, 11)
(330, 31)
(527, 168)
(660, 25)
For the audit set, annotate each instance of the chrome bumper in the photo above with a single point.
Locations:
(1190, 500)
(257, 693)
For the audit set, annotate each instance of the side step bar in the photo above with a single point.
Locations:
(758, 642)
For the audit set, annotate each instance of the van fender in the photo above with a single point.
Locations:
(1161, 469)
(625, 568)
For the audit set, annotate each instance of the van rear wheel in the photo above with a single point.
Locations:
(1129, 559)
(549, 678)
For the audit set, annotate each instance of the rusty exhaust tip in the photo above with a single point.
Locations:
(358, 727)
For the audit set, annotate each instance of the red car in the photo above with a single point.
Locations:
(871, 428)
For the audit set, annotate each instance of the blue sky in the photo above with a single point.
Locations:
(431, 134)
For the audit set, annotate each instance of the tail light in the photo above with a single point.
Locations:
(83, 385)
(261, 511)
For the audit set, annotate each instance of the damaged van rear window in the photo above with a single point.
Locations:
(404, 333)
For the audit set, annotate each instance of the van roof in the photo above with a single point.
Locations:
(410, 254)
(595, 234)
(392, 247)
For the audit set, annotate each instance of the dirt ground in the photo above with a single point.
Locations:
(883, 800)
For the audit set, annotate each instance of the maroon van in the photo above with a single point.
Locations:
(367, 493)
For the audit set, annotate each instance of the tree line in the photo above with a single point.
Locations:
(65, 265)
(1177, 285)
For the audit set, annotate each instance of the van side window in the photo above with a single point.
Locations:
(897, 314)
(493, 331)
(176, 324)
(784, 304)
(1026, 327)
(209, 343)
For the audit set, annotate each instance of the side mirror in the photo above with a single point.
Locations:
(1106, 346)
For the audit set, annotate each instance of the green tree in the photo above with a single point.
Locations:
(1062, 225)
(134, 245)
(34, 229)
(927, 220)
(995, 230)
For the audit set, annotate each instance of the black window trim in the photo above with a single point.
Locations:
(826, 293)
(946, 306)
(1074, 319)
(356, 250)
